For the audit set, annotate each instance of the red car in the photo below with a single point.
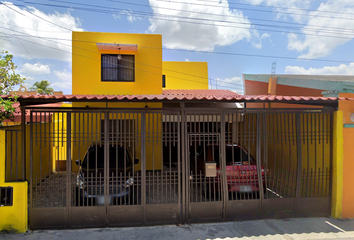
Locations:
(241, 169)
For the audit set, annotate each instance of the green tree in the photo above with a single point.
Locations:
(42, 87)
(8, 79)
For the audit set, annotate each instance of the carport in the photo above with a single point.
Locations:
(197, 158)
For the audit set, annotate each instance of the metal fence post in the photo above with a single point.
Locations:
(23, 145)
(299, 161)
(143, 164)
(223, 164)
(258, 158)
(68, 166)
(183, 160)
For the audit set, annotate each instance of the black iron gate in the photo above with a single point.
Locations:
(103, 168)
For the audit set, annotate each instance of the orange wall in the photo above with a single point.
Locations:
(348, 158)
(261, 88)
(348, 176)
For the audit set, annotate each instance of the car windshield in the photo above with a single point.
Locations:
(233, 155)
(237, 155)
(95, 159)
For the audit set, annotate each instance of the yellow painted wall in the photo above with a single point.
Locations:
(86, 63)
(280, 148)
(347, 107)
(195, 75)
(92, 125)
(42, 152)
(59, 152)
(6, 124)
(13, 218)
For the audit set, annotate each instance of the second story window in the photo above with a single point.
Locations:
(163, 81)
(117, 70)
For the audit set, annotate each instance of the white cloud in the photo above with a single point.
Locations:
(28, 78)
(186, 60)
(205, 32)
(296, 9)
(36, 68)
(63, 75)
(131, 18)
(233, 84)
(27, 27)
(258, 44)
(65, 82)
(116, 16)
(337, 27)
(327, 70)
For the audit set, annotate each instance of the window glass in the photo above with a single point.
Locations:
(90, 158)
(113, 69)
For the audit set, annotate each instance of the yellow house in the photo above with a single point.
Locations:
(128, 64)
(144, 142)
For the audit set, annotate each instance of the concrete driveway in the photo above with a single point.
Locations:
(300, 228)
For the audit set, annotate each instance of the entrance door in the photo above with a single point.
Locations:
(204, 185)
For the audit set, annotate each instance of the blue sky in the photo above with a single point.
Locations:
(249, 34)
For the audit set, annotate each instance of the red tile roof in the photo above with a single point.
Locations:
(178, 95)
(38, 118)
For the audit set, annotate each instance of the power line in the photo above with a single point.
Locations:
(46, 20)
(207, 52)
(223, 15)
(169, 49)
(230, 84)
(32, 29)
(258, 10)
(25, 48)
(167, 18)
(290, 8)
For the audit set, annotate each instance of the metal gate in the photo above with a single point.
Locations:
(264, 164)
(104, 168)
(98, 168)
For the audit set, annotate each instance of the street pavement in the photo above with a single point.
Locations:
(294, 228)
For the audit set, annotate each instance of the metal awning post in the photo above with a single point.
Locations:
(23, 141)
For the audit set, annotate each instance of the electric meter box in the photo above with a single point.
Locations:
(210, 169)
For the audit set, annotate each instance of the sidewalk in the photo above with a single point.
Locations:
(299, 228)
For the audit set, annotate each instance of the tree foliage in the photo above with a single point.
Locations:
(42, 87)
(8, 79)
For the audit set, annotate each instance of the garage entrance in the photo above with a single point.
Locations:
(121, 167)
(104, 168)
(252, 165)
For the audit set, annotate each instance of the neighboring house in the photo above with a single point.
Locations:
(17, 114)
(146, 142)
(317, 86)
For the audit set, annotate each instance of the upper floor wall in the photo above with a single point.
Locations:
(98, 71)
(185, 75)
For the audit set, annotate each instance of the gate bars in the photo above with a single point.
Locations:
(267, 164)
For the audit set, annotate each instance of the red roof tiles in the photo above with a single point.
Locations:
(169, 95)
